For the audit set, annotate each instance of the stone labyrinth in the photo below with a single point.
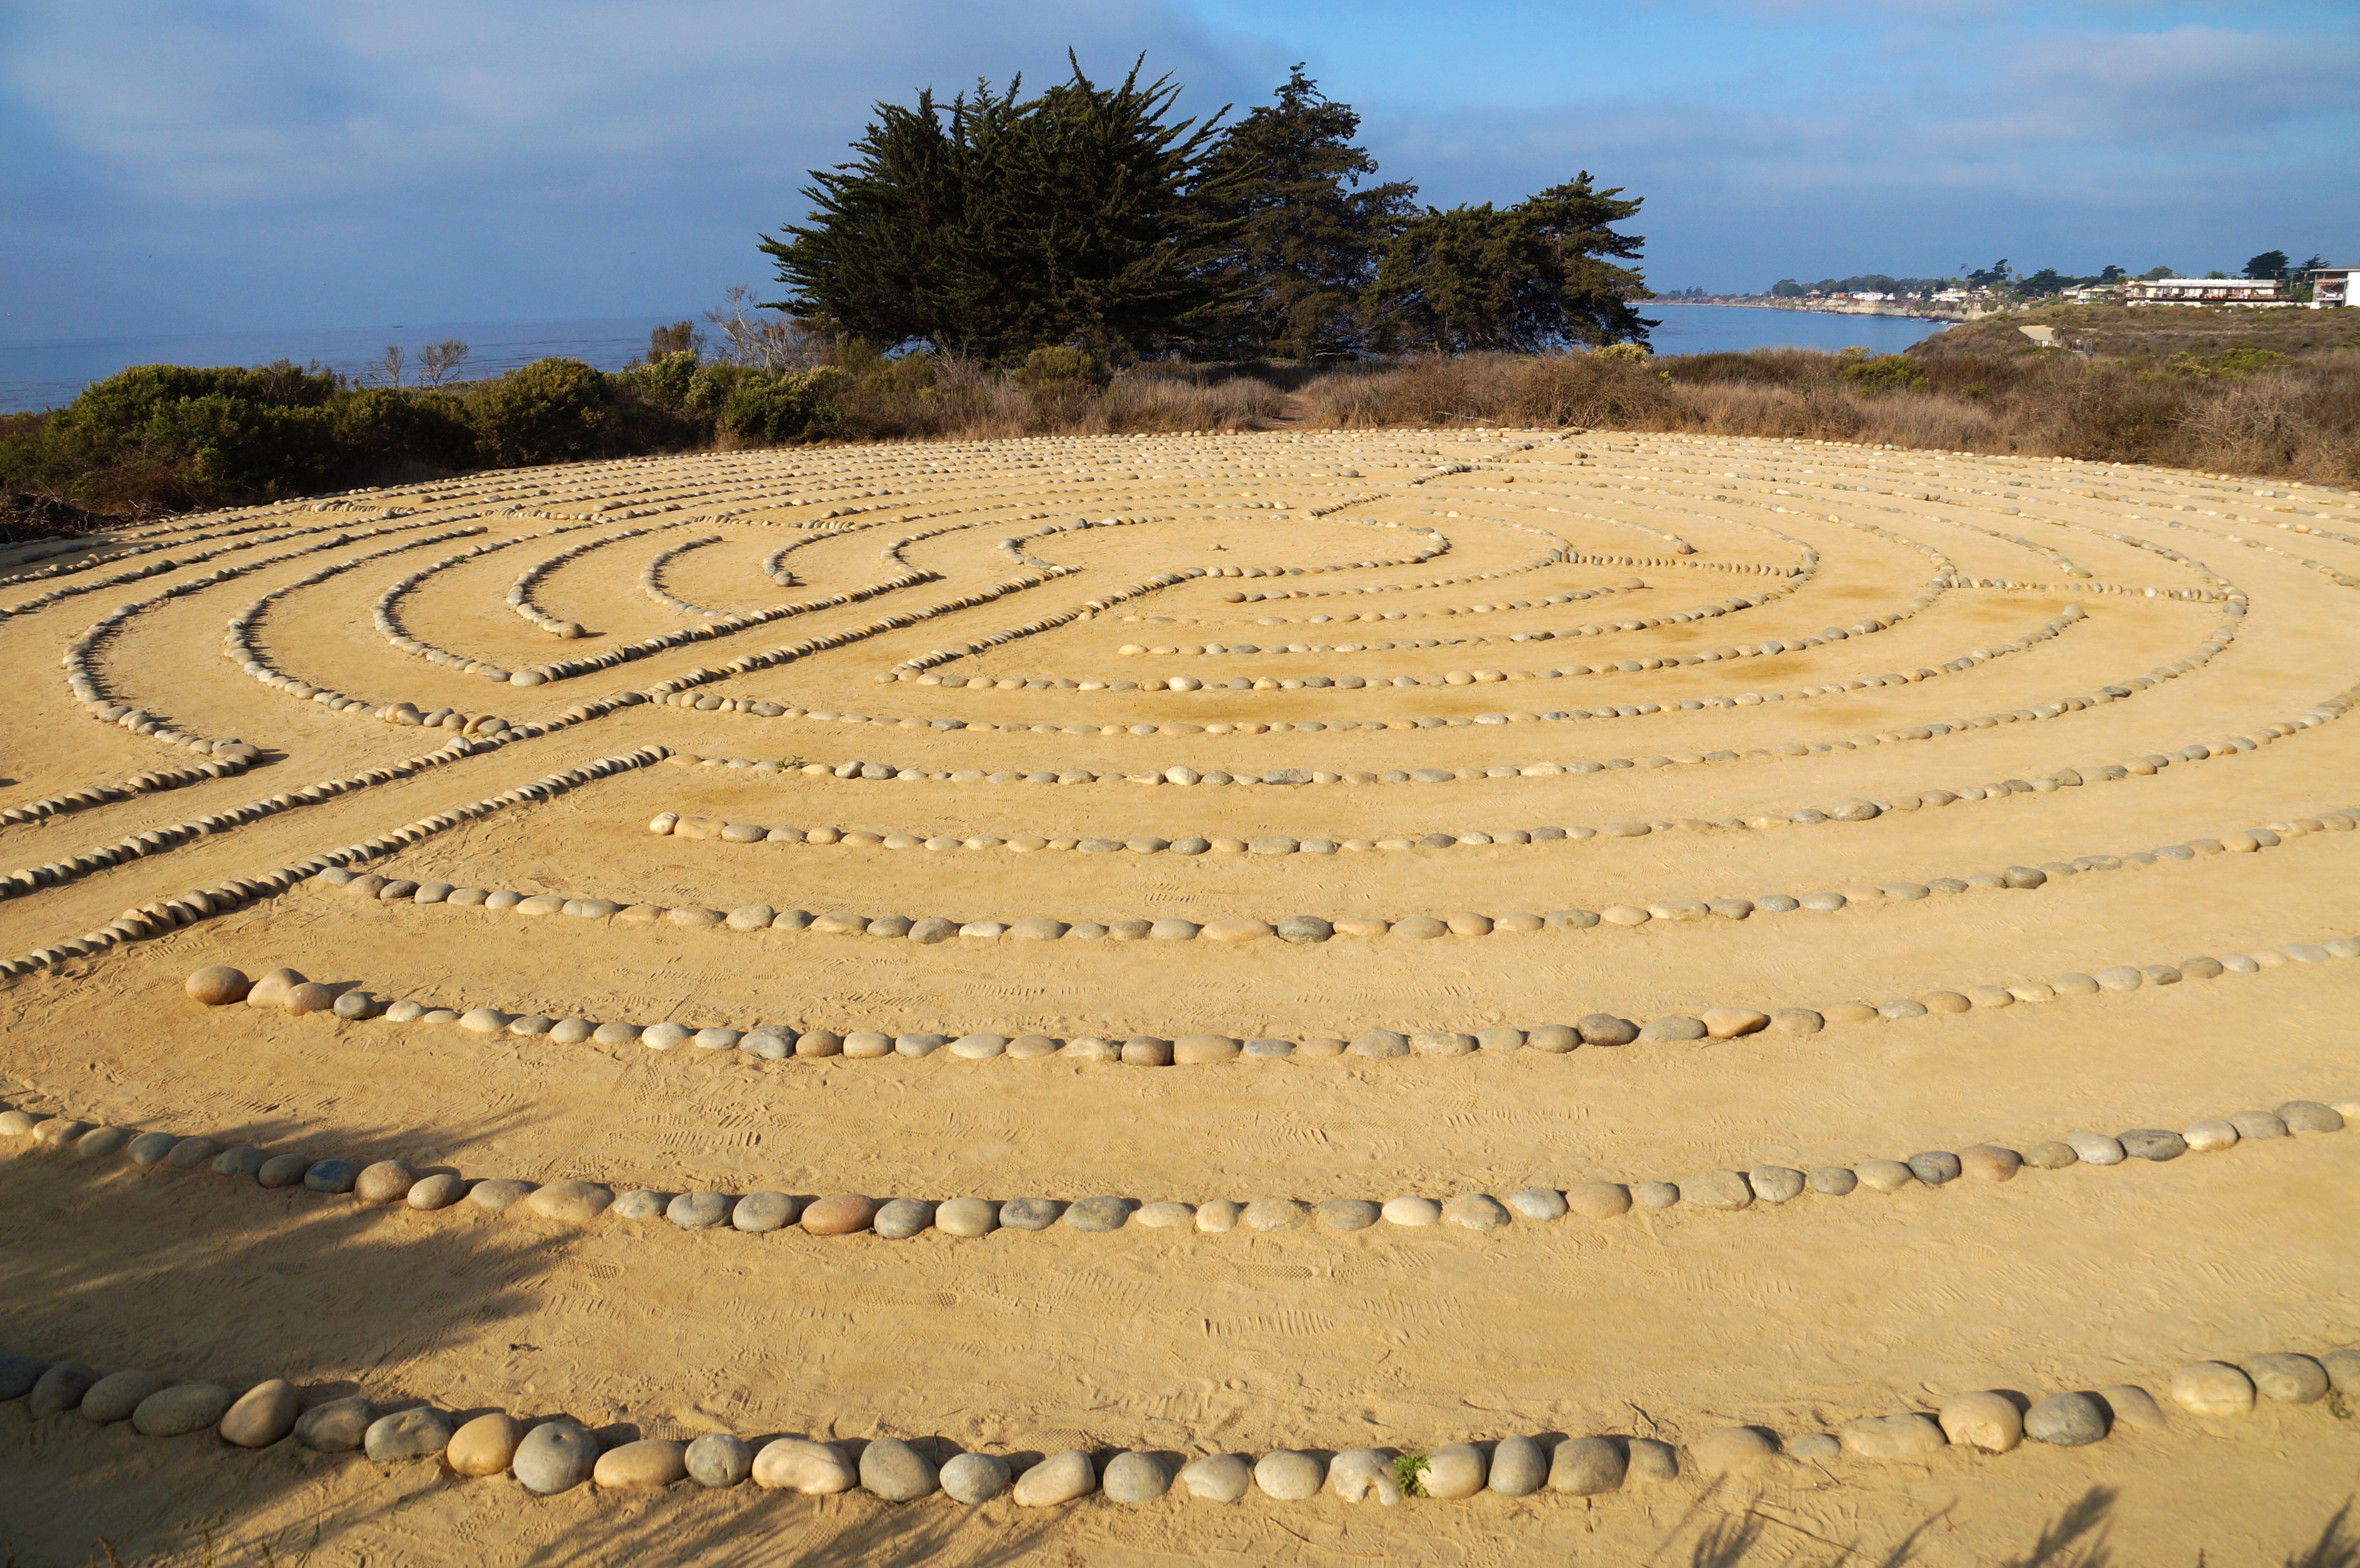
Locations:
(1177, 970)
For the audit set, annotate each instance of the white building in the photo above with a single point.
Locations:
(2205, 291)
(2331, 285)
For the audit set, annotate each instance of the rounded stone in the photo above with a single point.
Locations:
(2310, 1115)
(2050, 1154)
(113, 1396)
(896, 1472)
(1347, 1213)
(967, 1217)
(1717, 1190)
(2066, 1420)
(1198, 1050)
(262, 1415)
(1475, 1212)
(1984, 1419)
(903, 1218)
(419, 1433)
(333, 1177)
(1833, 1181)
(338, 1426)
(1453, 1471)
(2254, 1125)
(1586, 1466)
(718, 1460)
(799, 1465)
(61, 1388)
(1029, 1213)
(1163, 1215)
(2153, 1143)
(1274, 1214)
(1414, 1213)
(1733, 1450)
(975, 1477)
(698, 1210)
(1131, 1477)
(485, 1445)
(1936, 1167)
(439, 1191)
(2094, 1149)
(1599, 1200)
(1290, 1476)
(647, 1465)
(191, 1152)
(386, 1181)
(1216, 1477)
(2133, 1407)
(1381, 1045)
(1605, 1029)
(840, 1214)
(1884, 1175)
(1906, 1436)
(1543, 1204)
(19, 1374)
(2287, 1378)
(1518, 1468)
(1775, 1184)
(1654, 1195)
(218, 984)
(180, 1410)
(1097, 1215)
(569, 1203)
(758, 1214)
(555, 1456)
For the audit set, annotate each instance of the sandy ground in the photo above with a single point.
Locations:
(1672, 1323)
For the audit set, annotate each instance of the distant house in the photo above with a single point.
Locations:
(1873, 297)
(2205, 291)
(2331, 285)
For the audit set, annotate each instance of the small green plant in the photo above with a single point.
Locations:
(2337, 1407)
(791, 762)
(1625, 353)
(2230, 365)
(1886, 372)
(1408, 1470)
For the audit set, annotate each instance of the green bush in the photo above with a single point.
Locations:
(1884, 373)
(785, 405)
(552, 411)
(1060, 366)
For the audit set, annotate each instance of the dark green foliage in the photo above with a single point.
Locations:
(1529, 277)
(549, 411)
(1307, 238)
(1881, 372)
(779, 406)
(994, 224)
(2269, 264)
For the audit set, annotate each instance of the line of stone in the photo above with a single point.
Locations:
(652, 578)
(519, 595)
(388, 1182)
(173, 563)
(238, 641)
(199, 904)
(92, 796)
(1312, 929)
(82, 677)
(863, 768)
(128, 550)
(777, 1042)
(549, 1455)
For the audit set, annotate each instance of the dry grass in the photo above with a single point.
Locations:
(2301, 420)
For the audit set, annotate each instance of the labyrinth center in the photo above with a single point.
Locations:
(1204, 945)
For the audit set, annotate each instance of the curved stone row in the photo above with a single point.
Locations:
(551, 1455)
(78, 660)
(384, 612)
(2065, 619)
(204, 903)
(1766, 647)
(171, 563)
(154, 781)
(1312, 929)
(774, 1041)
(652, 578)
(519, 595)
(390, 1182)
(238, 642)
(2318, 713)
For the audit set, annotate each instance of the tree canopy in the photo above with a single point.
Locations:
(1308, 236)
(1095, 218)
(995, 223)
(1530, 277)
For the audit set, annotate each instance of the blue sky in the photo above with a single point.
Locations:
(221, 165)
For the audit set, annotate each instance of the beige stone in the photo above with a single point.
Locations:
(485, 1445)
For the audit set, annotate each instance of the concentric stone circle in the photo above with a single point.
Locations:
(1228, 840)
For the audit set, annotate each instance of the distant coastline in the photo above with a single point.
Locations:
(1824, 307)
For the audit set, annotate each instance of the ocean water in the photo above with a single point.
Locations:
(1732, 329)
(45, 375)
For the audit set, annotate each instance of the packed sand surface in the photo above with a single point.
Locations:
(1199, 850)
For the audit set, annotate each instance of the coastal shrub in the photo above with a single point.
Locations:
(552, 411)
(1884, 373)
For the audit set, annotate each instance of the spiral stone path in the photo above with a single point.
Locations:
(1105, 999)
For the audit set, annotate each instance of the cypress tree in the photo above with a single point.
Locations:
(1308, 236)
(1530, 277)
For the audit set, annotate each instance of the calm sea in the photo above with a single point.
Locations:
(45, 375)
(1723, 329)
